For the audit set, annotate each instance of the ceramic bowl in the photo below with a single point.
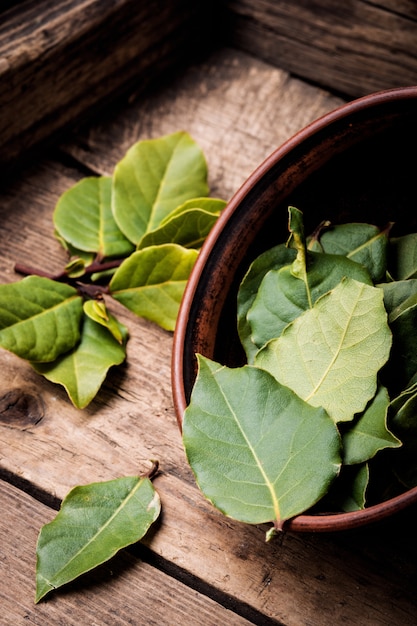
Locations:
(355, 163)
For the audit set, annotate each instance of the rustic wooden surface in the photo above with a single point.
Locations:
(195, 566)
(61, 58)
(354, 48)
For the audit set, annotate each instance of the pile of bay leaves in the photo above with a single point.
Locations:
(324, 415)
(132, 237)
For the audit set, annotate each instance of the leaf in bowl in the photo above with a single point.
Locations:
(363, 243)
(331, 354)
(258, 451)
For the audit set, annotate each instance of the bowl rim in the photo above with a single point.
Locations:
(302, 522)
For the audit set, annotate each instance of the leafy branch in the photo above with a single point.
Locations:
(134, 237)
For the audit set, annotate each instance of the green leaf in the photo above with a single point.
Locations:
(403, 360)
(97, 311)
(73, 252)
(189, 229)
(272, 259)
(39, 318)
(351, 487)
(363, 243)
(283, 296)
(403, 415)
(75, 268)
(210, 205)
(153, 179)
(403, 409)
(95, 521)
(259, 453)
(331, 354)
(83, 217)
(369, 433)
(403, 256)
(82, 370)
(397, 292)
(151, 282)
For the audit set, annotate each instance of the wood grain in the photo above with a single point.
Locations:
(60, 59)
(354, 48)
(239, 109)
(125, 590)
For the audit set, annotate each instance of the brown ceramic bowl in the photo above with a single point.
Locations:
(356, 163)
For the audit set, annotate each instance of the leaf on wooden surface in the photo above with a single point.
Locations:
(369, 433)
(82, 370)
(259, 452)
(39, 318)
(97, 311)
(95, 521)
(83, 217)
(151, 282)
(331, 354)
(154, 178)
(189, 229)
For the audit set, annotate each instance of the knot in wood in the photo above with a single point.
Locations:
(20, 409)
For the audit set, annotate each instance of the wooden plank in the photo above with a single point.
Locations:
(353, 48)
(239, 109)
(60, 59)
(124, 590)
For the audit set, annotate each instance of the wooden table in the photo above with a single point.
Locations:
(195, 566)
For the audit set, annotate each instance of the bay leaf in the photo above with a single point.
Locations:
(272, 259)
(39, 318)
(97, 311)
(151, 282)
(403, 256)
(352, 486)
(283, 296)
(259, 452)
(331, 354)
(95, 521)
(210, 205)
(153, 179)
(363, 243)
(188, 229)
(369, 433)
(403, 420)
(82, 370)
(83, 217)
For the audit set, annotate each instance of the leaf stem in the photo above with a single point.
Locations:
(152, 472)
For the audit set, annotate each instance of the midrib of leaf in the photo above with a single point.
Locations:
(161, 182)
(99, 532)
(258, 463)
(34, 317)
(364, 245)
(335, 356)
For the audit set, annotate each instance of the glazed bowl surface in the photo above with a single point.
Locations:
(356, 163)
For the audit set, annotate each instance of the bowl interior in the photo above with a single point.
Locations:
(353, 164)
